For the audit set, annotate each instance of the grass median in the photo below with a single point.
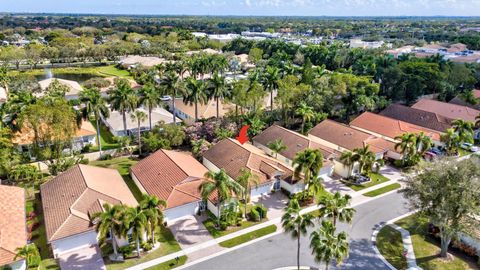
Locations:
(382, 190)
(248, 236)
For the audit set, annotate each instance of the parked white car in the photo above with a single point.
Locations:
(166, 98)
(470, 147)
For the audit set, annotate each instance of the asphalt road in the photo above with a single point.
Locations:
(280, 250)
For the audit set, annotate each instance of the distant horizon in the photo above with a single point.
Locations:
(262, 8)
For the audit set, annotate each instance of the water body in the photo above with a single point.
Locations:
(50, 73)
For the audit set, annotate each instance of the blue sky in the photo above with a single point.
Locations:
(251, 7)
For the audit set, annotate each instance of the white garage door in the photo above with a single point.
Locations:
(262, 189)
(74, 242)
(190, 209)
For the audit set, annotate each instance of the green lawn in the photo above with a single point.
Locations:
(106, 138)
(248, 236)
(427, 248)
(169, 264)
(168, 245)
(113, 71)
(376, 179)
(210, 225)
(382, 190)
(100, 71)
(122, 164)
(389, 243)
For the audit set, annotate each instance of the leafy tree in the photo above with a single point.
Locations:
(151, 205)
(451, 141)
(307, 114)
(271, 77)
(246, 179)
(336, 208)
(296, 224)
(464, 129)
(140, 117)
(277, 146)
(30, 254)
(123, 99)
(4, 78)
(137, 221)
(95, 105)
(150, 98)
(110, 222)
(447, 192)
(327, 246)
(366, 159)
(308, 163)
(255, 55)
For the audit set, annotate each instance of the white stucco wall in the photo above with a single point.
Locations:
(470, 241)
(73, 242)
(212, 208)
(269, 152)
(18, 265)
(261, 189)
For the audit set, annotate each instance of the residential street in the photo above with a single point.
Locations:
(280, 250)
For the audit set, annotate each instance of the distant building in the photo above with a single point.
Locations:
(74, 87)
(358, 43)
(224, 38)
(147, 61)
(186, 111)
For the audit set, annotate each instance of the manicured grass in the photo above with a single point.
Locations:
(427, 248)
(462, 152)
(390, 245)
(122, 164)
(106, 138)
(169, 264)
(113, 71)
(168, 245)
(210, 225)
(49, 264)
(100, 71)
(376, 179)
(382, 190)
(248, 236)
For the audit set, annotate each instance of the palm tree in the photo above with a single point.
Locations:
(222, 186)
(477, 121)
(296, 224)
(327, 246)
(246, 179)
(348, 159)
(307, 114)
(150, 98)
(277, 146)
(308, 162)
(171, 84)
(336, 208)
(137, 221)
(30, 254)
(407, 144)
(452, 141)
(272, 75)
(464, 129)
(95, 105)
(151, 205)
(110, 221)
(218, 90)
(423, 143)
(4, 78)
(123, 99)
(139, 116)
(196, 93)
(365, 157)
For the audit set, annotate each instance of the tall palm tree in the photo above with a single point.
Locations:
(271, 76)
(464, 129)
(327, 246)
(348, 159)
(220, 185)
(196, 93)
(247, 179)
(277, 146)
(366, 158)
(218, 90)
(336, 208)
(150, 98)
(406, 144)
(151, 205)
(307, 114)
(139, 116)
(110, 221)
(172, 86)
(123, 99)
(296, 224)
(308, 162)
(29, 253)
(137, 221)
(95, 105)
(423, 143)
(451, 140)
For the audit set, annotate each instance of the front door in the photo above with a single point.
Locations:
(276, 185)
(202, 205)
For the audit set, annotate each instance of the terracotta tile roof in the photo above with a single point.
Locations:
(449, 110)
(69, 199)
(12, 222)
(171, 176)
(347, 137)
(295, 142)
(229, 155)
(418, 117)
(389, 127)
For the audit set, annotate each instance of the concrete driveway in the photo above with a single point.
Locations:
(84, 258)
(275, 203)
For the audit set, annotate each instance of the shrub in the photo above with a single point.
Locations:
(223, 225)
(127, 250)
(84, 161)
(146, 246)
(106, 157)
(86, 148)
(258, 210)
(254, 215)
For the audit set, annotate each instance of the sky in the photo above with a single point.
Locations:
(251, 7)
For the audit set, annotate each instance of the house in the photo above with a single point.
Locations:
(115, 121)
(418, 117)
(232, 156)
(174, 177)
(448, 110)
(3, 95)
(459, 100)
(13, 232)
(147, 61)
(71, 198)
(294, 143)
(343, 138)
(186, 111)
(74, 88)
(85, 135)
(389, 128)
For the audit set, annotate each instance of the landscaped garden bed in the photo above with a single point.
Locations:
(375, 179)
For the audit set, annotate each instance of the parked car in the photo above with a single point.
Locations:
(359, 179)
(470, 147)
(166, 98)
(430, 155)
(436, 151)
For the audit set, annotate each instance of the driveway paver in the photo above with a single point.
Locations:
(85, 258)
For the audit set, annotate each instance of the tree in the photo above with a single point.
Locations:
(140, 117)
(218, 90)
(151, 205)
(272, 75)
(30, 254)
(220, 185)
(277, 146)
(94, 105)
(150, 98)
(4, 78)
(255, 55)
(447, 192)
(464, 129)
(137, 221)
(327, 246)
(171, 84)
(451, 141)
(308, 162)
(246, 179)
(407, 146)
(296, 224)
(123, 99)
(348, 159)
(336, 208)
(366, 159)
(110, 222)
(196, 93)
(307, 114)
